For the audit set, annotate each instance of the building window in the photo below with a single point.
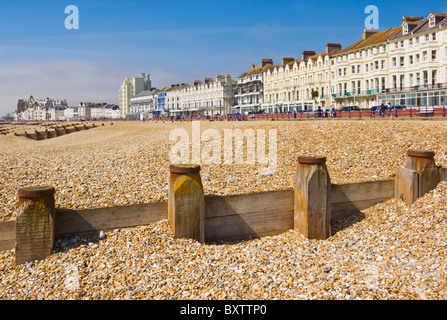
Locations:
(417, 58)
(424, 56)
(383, 64)
(401, 44)
(417, 40)
(432, 21)
(433, 55)
(410, 41)
(405, 28)
(393, 62)
(411, 59)
(402, 61)
(433, 36)
(427, 38)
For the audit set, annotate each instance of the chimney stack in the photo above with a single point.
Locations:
(228, 80)
(220, 78)
(368, 33)
(332, 46)
(306, 54)
(286, 61)
(252, 66)
(265, 62)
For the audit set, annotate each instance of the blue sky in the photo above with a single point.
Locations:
(174, 41)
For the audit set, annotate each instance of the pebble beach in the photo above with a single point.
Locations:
(389, 251)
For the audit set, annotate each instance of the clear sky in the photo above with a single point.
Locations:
(174, 41)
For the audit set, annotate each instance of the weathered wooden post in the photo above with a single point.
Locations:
(419, 175)
(186, 209)
(35, 224)
(312, 212)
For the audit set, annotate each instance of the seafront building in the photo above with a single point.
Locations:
(40, 109)
(175, 97)
(360, 71)
(131, 87)
(297, 85)
(210, 97)
(144, 104)
(84, 111)
(405, 65)
(418, 62)
(249, 90)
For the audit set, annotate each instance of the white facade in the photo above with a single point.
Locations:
(55, 114)
(418, 62)
(208, 97)
(299, 85)
(360, 72)
(71, 113)
(406, 65)
(249, 89)
(98, 112)
(40, 109)
(112, 112)
(131, 87)
(144, 102)
(175, 96)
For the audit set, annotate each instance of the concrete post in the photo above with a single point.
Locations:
(35, 224)
(186, 204)
(312, 212)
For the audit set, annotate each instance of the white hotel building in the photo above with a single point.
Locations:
(406, 65)
(249, 89)
(131, 87)
(294, 85)
(205, 98)
(418, 62)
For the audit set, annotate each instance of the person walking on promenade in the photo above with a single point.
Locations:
(319, 112)
(389, 110)
(382, 110)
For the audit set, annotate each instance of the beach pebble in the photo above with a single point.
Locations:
(386, 252)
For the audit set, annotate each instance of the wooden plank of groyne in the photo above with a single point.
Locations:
(348, 199)
(7, 235)
(238, 217)
(73, 222)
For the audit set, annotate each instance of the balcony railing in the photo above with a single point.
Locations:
(358, 93)
(421, 87)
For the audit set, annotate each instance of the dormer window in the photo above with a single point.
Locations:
(405, 28)
(432, 21)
